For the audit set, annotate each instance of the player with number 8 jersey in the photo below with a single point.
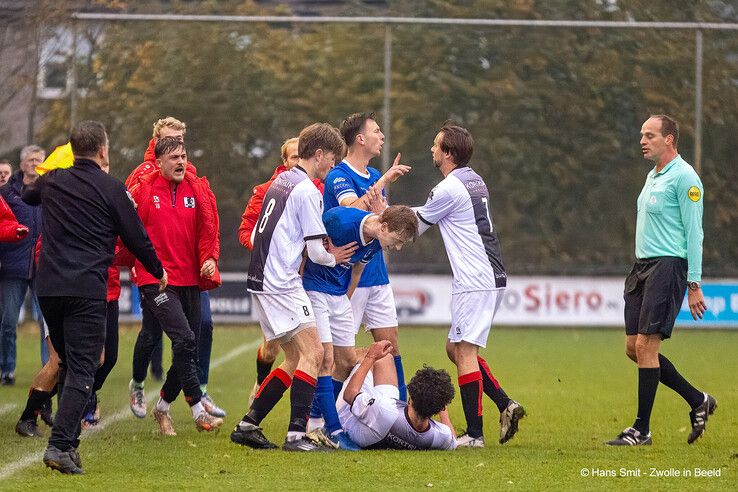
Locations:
(289, 221)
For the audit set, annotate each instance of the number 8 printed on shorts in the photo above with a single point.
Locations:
(267, 212)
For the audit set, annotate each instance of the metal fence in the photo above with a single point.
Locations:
(555, 108)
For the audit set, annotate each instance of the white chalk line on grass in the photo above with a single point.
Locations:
(37, 456)
(8, 407)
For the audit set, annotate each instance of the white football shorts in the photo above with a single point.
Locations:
(334, 318)
(281, 316)
(472, 314)
(374, 307)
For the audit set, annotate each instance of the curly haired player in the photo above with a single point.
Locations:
(375, 418)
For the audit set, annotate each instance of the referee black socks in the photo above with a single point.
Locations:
(648, 383)
(670, 377)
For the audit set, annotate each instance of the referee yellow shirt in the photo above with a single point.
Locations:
(669, 220)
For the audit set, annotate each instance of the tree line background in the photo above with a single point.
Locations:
(555, 112)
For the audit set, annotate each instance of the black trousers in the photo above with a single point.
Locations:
(111, 346)
(177, 310)
(77, 332)
(148, 341)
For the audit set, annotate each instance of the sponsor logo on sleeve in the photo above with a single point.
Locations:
(694, 194)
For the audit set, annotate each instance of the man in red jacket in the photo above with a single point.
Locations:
(10, 229)
(148, 348)
(268, 351)
(179, 213)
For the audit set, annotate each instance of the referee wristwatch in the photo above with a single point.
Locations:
(694, 285)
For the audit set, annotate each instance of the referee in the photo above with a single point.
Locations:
(668, 263)
(84, 211)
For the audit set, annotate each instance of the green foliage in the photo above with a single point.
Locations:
(555, 112)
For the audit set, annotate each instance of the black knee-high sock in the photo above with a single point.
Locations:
(671, 378)
(648, 383)
(492, 387)
(36, 400)
(301, 397)
(262, 368)
(270, 392)
(470, 387)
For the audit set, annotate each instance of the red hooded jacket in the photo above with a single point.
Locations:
(9, 225)
(253, 207)
(207, 223)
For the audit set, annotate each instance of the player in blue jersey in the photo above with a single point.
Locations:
(329, 289)
(373, 303)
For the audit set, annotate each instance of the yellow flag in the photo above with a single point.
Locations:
(61, 158)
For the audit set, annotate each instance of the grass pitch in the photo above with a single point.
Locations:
(576, 385)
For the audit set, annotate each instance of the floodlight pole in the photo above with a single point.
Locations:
(73, 77)
(698, 101)
(386, 115)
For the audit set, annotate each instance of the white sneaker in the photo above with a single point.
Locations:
(211, 407)
(466, 441)
(138, 400)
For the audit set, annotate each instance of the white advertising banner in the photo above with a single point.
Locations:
(546, 301)
(426, 299)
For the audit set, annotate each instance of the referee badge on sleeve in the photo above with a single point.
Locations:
(694, 194)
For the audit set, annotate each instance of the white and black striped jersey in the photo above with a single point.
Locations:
(460, 206)
(290, 215)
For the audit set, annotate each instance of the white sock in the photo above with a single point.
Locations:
(197, 409)
(162, 405)
(294, 435)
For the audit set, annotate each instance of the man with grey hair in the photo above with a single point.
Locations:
(6, 169)
(17, 266)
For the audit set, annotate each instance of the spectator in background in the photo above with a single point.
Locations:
(6, 169)
(17, 268)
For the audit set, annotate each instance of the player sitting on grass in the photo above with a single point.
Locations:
(327, 288)
(374, 417)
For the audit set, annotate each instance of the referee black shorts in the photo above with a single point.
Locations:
(654, 291)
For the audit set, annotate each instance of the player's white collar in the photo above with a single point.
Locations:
(364, 242)
(365, 175)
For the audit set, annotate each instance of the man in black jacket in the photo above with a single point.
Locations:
(84, 211)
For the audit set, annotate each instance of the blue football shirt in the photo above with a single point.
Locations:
(344, 181)
(343, 225)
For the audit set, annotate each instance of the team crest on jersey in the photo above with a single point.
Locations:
(694, 194)
(189, 202)
(156, 201)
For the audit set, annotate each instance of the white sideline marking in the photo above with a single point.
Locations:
(8, 407)
(37, 456)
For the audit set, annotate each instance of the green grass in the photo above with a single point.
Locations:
(576, 384)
